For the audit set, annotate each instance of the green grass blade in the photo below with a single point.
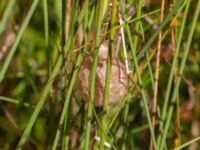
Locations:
(133, 50)
(66, 104)
(175, 60)
(163, 24)
(108, 72)
(183, 62)
(126, 123)
(46, 22)
(39, 105)
(187, 143)
(15, 101)
(93, 75)
(65, 109)
(150, 69)
(133, 20)
(46, 33)
(18, 38)
(6, 14)
(73, 12)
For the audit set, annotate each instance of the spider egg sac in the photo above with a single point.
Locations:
(118, 79)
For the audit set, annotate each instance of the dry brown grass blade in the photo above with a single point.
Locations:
(154, 111)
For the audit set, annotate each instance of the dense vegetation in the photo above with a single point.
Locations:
(43, 45)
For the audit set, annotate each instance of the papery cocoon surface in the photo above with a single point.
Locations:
(118, 80)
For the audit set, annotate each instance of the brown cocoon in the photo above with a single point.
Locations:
(118, 79)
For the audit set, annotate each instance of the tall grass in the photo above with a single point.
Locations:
(80, 125)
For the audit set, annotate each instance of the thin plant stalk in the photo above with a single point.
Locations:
(167, 19)
(66, 104)
(141, 128)
(121, 24)
(125, 128)
(65, 139)
(133, 50)
(147, 56)
(17, 40)
(39, 105)
(143, 94)
(177, 139)
(129, 21)
(124, 45)
(137, 24)
(6, 14)
(108, 72)
(157, 68)
(46, 33)
(65, 110)
(142, 67)
(187, 143)
(73, 3)
(68, 16)
(180, 73)
(150, 69)
(93, 75)
(46, 22)
(175, 60)
(63, 14)
(15, 101)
